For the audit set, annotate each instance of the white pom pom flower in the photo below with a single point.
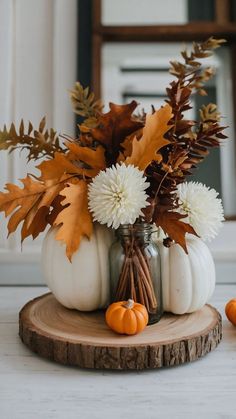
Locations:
(117, 195)
(204, 210)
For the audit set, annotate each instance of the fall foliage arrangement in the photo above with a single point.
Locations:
(123, 168)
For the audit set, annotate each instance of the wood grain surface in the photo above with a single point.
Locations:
(83, 339)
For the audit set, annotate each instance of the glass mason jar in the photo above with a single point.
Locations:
(135, 269)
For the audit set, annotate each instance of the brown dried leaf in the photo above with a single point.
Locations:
(95, 158)
(114, 126)
(38, 224)
(174, 228)
(64, 164)
(25, 202)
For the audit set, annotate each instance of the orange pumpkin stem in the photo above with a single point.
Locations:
(129, 303)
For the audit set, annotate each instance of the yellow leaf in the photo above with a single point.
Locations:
(144, 151)
(75, 220)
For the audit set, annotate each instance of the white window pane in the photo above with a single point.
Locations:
(139, 12)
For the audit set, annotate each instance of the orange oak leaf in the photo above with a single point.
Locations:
(75, 220)
(38, 224)
(56, 208)
(25, 202)
(36, 220)
(144, 151)
(20, 200)
(174, 228)
(56, 205)
(127, 145)
(114, 126)
(63, 164)
(93, 158)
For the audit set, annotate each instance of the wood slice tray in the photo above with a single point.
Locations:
(83, 339)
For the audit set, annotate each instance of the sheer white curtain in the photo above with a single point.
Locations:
(38, 66)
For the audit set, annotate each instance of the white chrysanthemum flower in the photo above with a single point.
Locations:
(205, 211)
(117, 195)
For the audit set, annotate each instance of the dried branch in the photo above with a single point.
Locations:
(189, 141)
(190, 71)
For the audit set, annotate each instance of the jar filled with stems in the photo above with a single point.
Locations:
(135, 268)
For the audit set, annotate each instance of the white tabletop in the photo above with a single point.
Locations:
(32, 388)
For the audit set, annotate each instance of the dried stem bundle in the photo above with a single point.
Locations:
(135, 279)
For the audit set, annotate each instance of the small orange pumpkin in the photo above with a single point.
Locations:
(127, 317)
(230, 311)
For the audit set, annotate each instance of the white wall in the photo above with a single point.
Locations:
(38, 67)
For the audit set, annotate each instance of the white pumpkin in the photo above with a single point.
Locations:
(82, 284)
(188, 281)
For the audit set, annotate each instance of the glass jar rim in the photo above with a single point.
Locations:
(136, 229)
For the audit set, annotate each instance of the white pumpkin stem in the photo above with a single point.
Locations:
(129, 303)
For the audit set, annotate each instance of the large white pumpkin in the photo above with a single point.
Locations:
(82, 284)
(188, 281)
